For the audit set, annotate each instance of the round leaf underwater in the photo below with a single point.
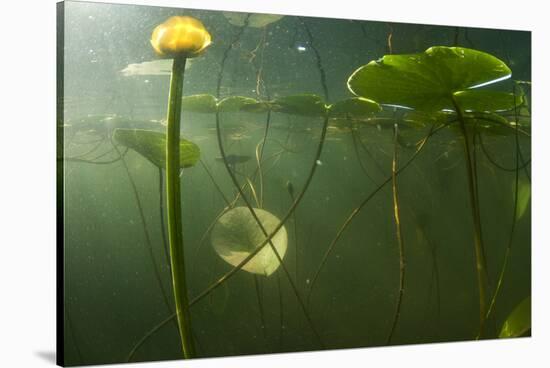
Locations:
(237, 234)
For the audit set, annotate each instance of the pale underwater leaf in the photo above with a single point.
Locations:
(254, 21)
(154, 67)
(237, 234)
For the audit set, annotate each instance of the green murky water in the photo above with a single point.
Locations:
(339, 285)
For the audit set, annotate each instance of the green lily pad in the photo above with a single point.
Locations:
(152, 146)
(199, 103)
(236, 234)
(238, 103)
(518, 322)
(304, 104)
(355, 107)
(487, 101)
(426, 81)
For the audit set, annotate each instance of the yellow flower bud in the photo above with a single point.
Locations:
(180, 36)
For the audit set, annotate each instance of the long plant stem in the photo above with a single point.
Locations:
(260, 304)
(399, 235)
(148, 242)
(474, 204)
(259, 156)
(260, 224)
(358, 209)
(514, 221)
(173, 204)
(238, 267)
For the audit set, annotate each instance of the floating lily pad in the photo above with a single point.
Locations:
(237, 234)
(203, 103)
(518, 322)
(487, 101)
(152, 146)
(355, 107)
(237, 103)
(304, 104)
(254, 20)
(426, 81)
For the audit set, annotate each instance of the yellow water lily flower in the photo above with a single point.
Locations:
(180, 36)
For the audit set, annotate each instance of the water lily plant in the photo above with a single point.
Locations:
(179, 37)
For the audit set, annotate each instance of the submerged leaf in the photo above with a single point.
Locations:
(487, 100)
(355, 107)
(254, 20)
(203, 103)
(426, 81)
(152, 68)
(304, 104)
(237, 234)
(152, 146)
(518, 322)
(238, 103)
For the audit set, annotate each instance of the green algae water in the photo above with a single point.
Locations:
(343, 184)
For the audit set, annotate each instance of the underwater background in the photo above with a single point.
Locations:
(111, 289)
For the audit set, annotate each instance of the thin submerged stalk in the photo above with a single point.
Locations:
(235, 269)
(514, 220)
(148, 242)
(474, 204)
(262, 228)
(399, 236)
(358, 209)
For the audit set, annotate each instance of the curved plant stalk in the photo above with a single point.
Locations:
(235, 269)
(356, 150)
(148, 243)
(253, 191)
(214, 182)
(259, 156)
(290, 189)
(93, 149)
(93, 161)
(512, 230)
(474, 204)
(495, 163)
(268, 237)
(260, 305)
(367, 151)
(173, 200)
(229, 206)
(317, 58)
(358, 209)
(226, 53)
(399, 235)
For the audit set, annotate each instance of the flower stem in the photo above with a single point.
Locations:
(474, 203)
(173, 204)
